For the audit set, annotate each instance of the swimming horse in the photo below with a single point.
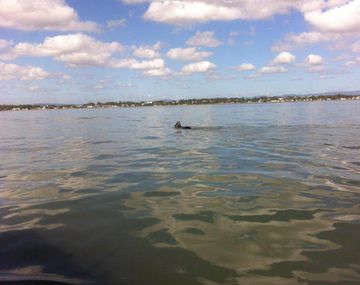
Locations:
(179, 126)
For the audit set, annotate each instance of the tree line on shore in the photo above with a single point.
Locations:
(194, 101)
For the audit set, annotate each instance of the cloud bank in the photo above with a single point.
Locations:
(48, 15)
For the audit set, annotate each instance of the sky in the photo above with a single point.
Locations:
(78, 51)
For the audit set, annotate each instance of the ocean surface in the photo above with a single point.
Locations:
(253, 194)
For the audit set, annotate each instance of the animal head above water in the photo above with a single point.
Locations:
(178, 125)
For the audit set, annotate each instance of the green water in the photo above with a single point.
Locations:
(253, 194)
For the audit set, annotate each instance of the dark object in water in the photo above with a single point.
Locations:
(179, 126)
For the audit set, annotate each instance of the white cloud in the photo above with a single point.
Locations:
(5, 44)
(49, 15)
(338, 19)
(341, 57)
(34, 88)
(274, 66)
(246, 67)
(272, 69)
(253, 76)
(329, 16)
(132, 63)
(314, 59)
(307, 38)
(192, 54)
(198, 67)
(292, 41)
(132, 2)
(284, 58)
(232, 38)
(314, 63)
(160, 72)
(82, 50)
(214, 76)
(187, 12)
(9, 71)
(324, 77)
(316, 69)
(116, 23)
(205, 39)
(333, 21)
(73, 49)
(148, 51)
(353, 62)
(126, 84)
(99, 87)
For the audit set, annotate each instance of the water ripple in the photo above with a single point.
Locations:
(262, 195)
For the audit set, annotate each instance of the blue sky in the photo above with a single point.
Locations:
(75, 51)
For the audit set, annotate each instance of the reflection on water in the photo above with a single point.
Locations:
(268, 194)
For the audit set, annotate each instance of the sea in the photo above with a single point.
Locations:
(252, 194)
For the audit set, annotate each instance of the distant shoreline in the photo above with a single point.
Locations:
(182, 102)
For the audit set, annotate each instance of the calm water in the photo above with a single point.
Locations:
(253, 194)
